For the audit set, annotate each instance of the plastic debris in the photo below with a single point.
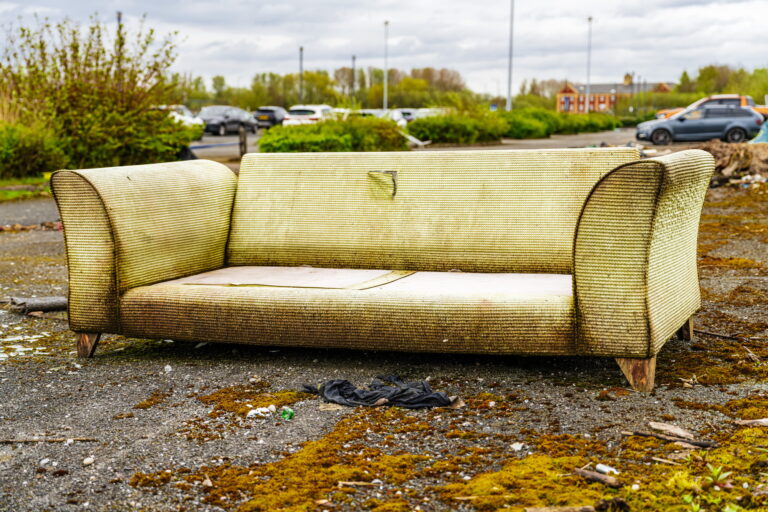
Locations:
(517, 446)
(606, 470)
(88, 461)
(287, 413)
(168, 368)
(259, 411)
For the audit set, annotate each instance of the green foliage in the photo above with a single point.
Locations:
(459, 129)
(96, 91)
(28, 151)
(354, 134)
(524, 126)
(593, 122)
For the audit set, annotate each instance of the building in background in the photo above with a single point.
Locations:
(572, 98)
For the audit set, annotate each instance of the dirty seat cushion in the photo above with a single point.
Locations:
(419, 312)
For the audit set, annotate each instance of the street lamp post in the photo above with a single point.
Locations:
(589, 60)
(509, 60)
(301, 74)
(386, 68)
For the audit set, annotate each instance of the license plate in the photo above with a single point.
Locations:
(263, 118)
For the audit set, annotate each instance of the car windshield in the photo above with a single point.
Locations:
(301, 112)
(213, 111)
(265, 110)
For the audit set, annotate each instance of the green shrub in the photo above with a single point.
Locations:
(355, 134)
(28, 151)
(97, 90)
(524, 125)
(593, 122)
(459, 129)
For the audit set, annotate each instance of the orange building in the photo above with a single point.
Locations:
(603, 97)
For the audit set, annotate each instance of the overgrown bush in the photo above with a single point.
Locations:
(459, 129)
(522, 124)
(96, 89)
(28, 151)
(593, 122)
(354, 134)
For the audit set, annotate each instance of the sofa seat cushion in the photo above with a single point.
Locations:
(417, 312)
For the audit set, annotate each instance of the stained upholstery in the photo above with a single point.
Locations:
(525, 252)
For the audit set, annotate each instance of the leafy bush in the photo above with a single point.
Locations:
(593, 122)
(523, 124)
(354, 134)
(458, 129)
(97, 97)
(28, 151)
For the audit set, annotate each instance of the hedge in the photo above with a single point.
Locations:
(28, 151)
(355, 134)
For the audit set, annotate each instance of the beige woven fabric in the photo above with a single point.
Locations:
(477, 211)
(635, 276)
(90, 255)
(168, 220)
(423, 312)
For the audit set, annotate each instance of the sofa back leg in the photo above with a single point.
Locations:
(639, 372)
(86, 343)
(685, 332)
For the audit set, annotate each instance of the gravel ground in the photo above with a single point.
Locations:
(48, 393)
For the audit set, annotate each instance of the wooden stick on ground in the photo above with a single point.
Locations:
(597, 477)
(672, 439)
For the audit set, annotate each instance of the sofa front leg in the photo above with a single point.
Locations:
(86, 343)
(640, 373)
(685, 332)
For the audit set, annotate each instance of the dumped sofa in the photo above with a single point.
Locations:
(543, 252)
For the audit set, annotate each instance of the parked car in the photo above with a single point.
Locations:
(307, 114)
(223, 119)
(727, 122)
(267, 117)
(392, 115)
(735, 100)
(409, 114)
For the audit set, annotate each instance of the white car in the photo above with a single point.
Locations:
(391, 115)
(307, 114)
(183, 115)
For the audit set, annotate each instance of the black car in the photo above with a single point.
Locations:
(267, 117)
(223, 119)
(726, 122)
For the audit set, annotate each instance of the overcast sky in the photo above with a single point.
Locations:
(657, 39)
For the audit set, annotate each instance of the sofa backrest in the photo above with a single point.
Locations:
(474, 211)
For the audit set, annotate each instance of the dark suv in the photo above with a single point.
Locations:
(267, 117)
(726, 122)
(223, 119)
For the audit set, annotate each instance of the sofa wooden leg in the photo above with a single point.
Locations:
(685, 332)
(639, 372)
(86, 343)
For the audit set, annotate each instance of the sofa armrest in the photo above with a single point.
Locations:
(635, 274)
(136, 225)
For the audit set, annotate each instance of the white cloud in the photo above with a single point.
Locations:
(656, 39)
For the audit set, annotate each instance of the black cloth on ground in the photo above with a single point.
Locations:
(384, 390)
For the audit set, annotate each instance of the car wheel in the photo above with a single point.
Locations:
(222, 130)
(735, 135)
(661, 137)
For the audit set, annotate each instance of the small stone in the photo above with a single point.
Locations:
(517, 446)
(44, 462)
(88, 461)
(207, 482)
(168, 368)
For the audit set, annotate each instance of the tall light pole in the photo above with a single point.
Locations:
(386, 68)
(352, 89)
(301, 74)
(589, 59)
(509, 60)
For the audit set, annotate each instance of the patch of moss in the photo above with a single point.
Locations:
(157, 397)
(242, 398)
